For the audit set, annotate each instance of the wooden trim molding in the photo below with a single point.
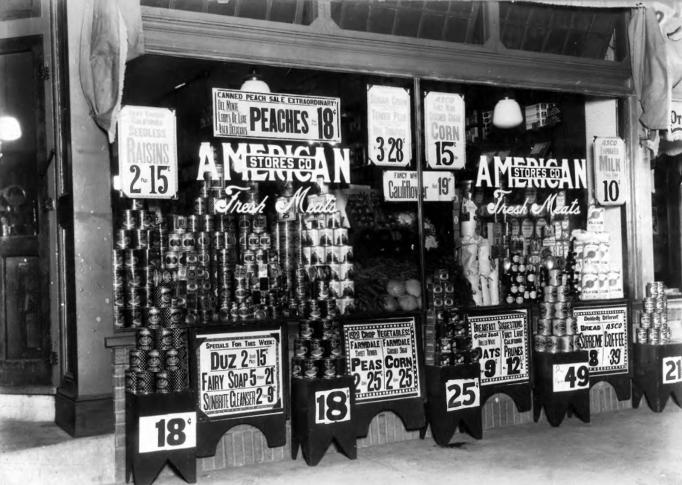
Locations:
(224, 38)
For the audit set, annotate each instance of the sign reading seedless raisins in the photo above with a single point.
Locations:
(603, 333)
(382, 358)
(503, 340)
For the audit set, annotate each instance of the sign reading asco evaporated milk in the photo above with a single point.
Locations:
(609, 170)
(603, 333)
(389, 126)
(444, 130)
(291, 117)
(147, 152)
(503, 339)
(381, 355)
(239, 373)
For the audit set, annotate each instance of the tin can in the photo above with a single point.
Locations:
(544, 326)
(326, 237)
(188, 242)
(656, 320)
(161, 382)
(171, 260)
(642, 335)
(316, 350)
(152, 316)
(154, 360)
(654, 336)
(561, 309)
(140, 238)
(193, 223)
(178, 223)
(310, 368)
(552, 344)
(546, 310)
(297, 367)
(549, 296)
(145, 382)
(559, 326)
(340, 237)
(134, 317)
(129, 219)
(175, 241)
(649, 304)
(138, 358)
(163, 338)
(540, 343)
(571, 326)
(172, 359)
(145, 340)
(645, 320)
(123, 239)
(334, 220)
(131, 381)
(651, 289)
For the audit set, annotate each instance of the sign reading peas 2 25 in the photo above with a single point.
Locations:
(147, 153)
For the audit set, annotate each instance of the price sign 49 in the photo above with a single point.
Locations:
(168, 432)
(570, 377)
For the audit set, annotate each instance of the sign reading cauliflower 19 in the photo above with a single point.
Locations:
(259, 162)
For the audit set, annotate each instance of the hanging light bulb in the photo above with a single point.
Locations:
(255, 84)
(10, 129)
(507, 113)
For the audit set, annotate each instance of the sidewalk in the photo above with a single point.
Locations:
(635, 446)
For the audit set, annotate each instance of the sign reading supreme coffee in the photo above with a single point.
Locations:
(503, 339)
(603, 333)
(239, 114)
(381, 355)
(239, 372)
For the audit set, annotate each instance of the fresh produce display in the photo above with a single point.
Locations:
(387, 285)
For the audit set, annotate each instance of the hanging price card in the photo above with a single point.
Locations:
(403, 186)
(174, 431)
(609, 170)
(672, 369)
(503, 339)
(147, 152)
(239, 372)
(389, 126)
(332, 406)
(382, 358)
(603, 333)
(462, 394)
(444, 130)
(570, 377)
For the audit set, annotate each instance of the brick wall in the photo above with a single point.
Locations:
(245, 445)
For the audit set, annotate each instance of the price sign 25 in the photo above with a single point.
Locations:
(167, 432)
(672, 369)
(462, 394)
(332, 406)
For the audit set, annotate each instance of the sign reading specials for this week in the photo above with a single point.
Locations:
(389, 130)
(291, 117)
(444, 130)
(147, 153)
(609, 170)
(403, 186)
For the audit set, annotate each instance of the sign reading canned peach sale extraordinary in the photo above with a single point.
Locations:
(444, 130)
(147, 153)
(381, 355)
(239, 373)
(503, 340)
(603, 333)
(240, 114)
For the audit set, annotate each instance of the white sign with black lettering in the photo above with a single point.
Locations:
(175, 431)
(462, 394)
(603, 333)
(279, 116)
(239, 372)
(675, 129)
(444, 130)
(332, 406)
(672, 369)
(382, 358)
(609, 170)
(389, 126)
(570, 377)
(503, 339)
(147, 153)
(403, 186)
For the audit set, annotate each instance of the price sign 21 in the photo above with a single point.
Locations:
(672, 369)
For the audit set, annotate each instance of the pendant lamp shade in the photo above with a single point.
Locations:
(507, 113)
(255, 84)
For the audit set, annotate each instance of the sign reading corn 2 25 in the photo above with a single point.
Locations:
(241, 114)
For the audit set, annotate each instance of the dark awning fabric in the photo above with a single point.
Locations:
(111, 35)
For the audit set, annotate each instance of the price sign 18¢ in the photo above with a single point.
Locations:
(332, 406)
(168, 432)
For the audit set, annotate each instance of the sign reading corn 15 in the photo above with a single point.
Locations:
(444, 130)
(239, 114)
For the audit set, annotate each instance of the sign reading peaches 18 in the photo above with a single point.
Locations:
(382, 358)
(240, 114)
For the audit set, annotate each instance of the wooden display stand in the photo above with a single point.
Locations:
(453, 399)
(323, 411)
(657, 375)
(561, 385)
(160, 429)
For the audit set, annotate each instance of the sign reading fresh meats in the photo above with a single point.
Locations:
(239, 372)
(240, 114)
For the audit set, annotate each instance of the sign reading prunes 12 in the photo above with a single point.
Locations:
(382, 358)
(503, 339)
(603, 333)
(291, 117)
(389, 126)
(403, 186)
(239, 372)
(609, 170)
(147, 152)
(444, 130)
